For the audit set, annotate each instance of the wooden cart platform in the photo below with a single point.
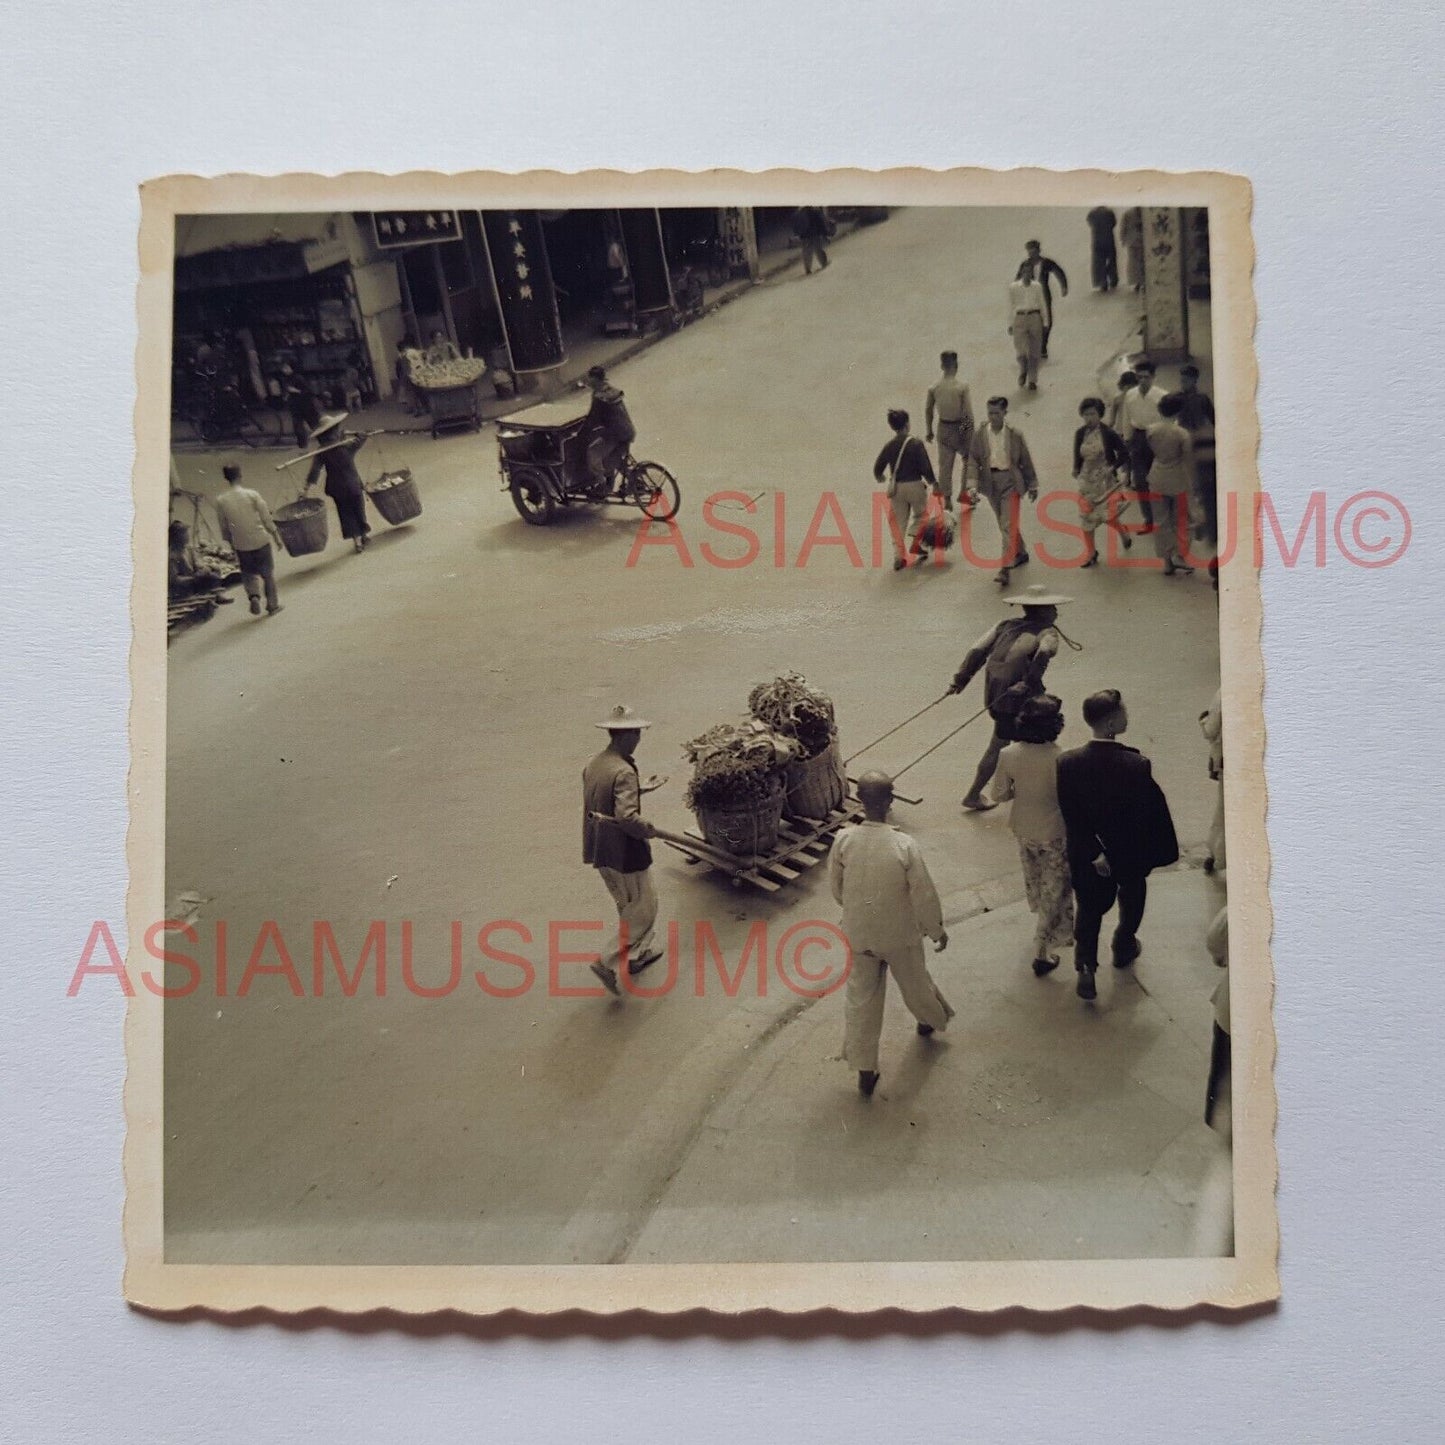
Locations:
(802, 843)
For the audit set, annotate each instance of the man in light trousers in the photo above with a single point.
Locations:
(890, 905)
(614, 842)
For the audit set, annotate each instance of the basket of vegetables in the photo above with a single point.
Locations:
(816, 782)
(395, 496)
(739, 786)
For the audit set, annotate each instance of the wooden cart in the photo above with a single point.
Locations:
(802, 843)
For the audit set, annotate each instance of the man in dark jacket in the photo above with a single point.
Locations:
(614, 842)
(810, 226)
(609, 429)
(1119, 829)
(1044, 268)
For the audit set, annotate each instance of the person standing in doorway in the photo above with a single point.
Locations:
(1045, 269)
(890, 904)
(910, 470)
(1119, 830)
(810, 226)
(614, 842)
(1103, 254)
(1012, 657)
(1028, 775)
(1139, 411)
(949, 401)
(247, 525)
(343, 481)
(1026, 323)
(1003, 472)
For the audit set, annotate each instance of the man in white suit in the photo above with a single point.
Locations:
(889, 906)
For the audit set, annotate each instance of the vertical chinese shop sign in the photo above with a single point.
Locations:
(1166, 310)
(522, 279)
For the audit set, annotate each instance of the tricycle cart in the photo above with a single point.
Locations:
(542, 455)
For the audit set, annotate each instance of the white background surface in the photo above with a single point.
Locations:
(1333, 112)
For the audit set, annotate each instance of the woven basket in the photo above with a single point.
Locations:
(748, 831)
(398, 503)
(816, 786)
(302, 526)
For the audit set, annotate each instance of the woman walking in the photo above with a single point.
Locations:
(1098, 451)
(1028, 773)
(1171, 480)
(343, 481)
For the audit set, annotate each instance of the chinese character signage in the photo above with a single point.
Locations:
(522, 276)
(1166, 312)
(414, 228)
(740, 238)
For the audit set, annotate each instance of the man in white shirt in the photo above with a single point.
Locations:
(246, 524)
(1026, 306)
(889, 906)
(1139, 412)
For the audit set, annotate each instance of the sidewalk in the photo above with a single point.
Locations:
(584, 351)
(1039, 1127)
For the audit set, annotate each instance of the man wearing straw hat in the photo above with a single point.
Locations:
(890, 904)
(337, 455)
(1013, 657)
(616, 843)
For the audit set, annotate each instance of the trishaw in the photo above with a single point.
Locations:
(543, 460)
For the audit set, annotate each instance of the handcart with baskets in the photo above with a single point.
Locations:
(542, 454)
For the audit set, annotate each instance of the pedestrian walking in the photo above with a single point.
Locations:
(615, 844)
(1138, 411)
(1196, 416)
(811, 226)
(1013, 657)
(949, 401)
(1028, 775)
(890, 905)
(1114, 416)
(1119, 830)
(1026, 323)
(1171, 483)
(247, 525)
(910, 476)
(1211, 724)
(1100, 456)
(1003, 474)
(1044, 270)
(343, 481)
(1131, 237)
(1103, 254)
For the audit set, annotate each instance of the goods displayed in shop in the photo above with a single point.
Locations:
(442, 375)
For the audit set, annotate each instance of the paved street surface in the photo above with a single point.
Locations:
(405, 742)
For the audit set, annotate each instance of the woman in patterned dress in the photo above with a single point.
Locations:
(1027, 773)
(1098, 450)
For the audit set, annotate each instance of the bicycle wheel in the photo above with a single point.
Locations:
(654, 489)
(260, 427)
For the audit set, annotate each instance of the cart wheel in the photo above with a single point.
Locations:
(532, 499)
(654, 489)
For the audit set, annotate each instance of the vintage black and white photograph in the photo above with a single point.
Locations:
(698, 743)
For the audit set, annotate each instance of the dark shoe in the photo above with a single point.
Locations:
(925, 1031)
(867, 1082)
(1128, 541)
(1045, 965)
(899, 563)
(633, 969)
(978, 805)
(1085, 986)
(1092, 562)
(272, 611)
(1021, 559)
(1126, 951)
(608, 978)
(1033, 386)
(223, 600)
(1001, 577)
(255, 607)
(1209, 864)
